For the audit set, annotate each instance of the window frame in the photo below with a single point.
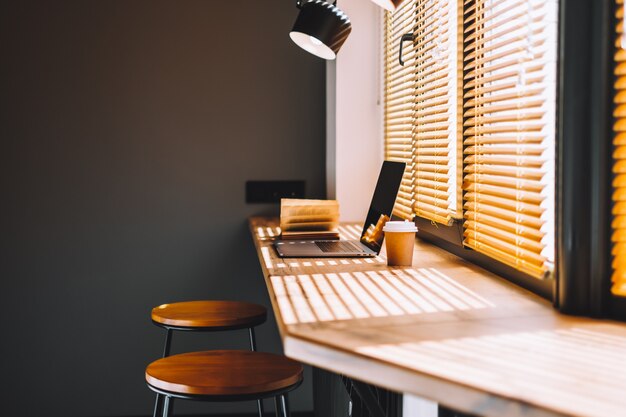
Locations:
(584, 167)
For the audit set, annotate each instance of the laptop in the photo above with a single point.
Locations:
(371, 240)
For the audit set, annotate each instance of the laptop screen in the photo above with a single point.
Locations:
(382, 204)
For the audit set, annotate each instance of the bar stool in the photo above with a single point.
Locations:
(207, 316)
(224, 375)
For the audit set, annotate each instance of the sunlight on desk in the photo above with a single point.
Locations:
(548, 360)
(348, 232)
(287, 263)
(267, 233)
(356, 295)
(267, 258)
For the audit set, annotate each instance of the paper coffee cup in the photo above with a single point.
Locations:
(399, 241)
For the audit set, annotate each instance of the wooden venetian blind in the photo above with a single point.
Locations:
(420, 112)
(399, 102)
(619, 167)
(509, 111)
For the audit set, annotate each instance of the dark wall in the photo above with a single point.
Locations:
(128, 130)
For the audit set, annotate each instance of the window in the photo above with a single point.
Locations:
(509, 137)
(473, 113)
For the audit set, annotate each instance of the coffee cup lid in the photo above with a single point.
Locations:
(405, 226)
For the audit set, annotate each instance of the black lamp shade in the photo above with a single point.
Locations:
(321, 28)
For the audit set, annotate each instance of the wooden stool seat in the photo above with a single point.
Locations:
(225, 375)
(209, 315)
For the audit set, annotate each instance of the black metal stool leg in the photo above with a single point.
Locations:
(253, 348)
(171, 407)
(259, 404)
(167, 406)
(278, 406)
(157, 406)
(252, 339)
(168, 342)
(166, 352)
(285, 401)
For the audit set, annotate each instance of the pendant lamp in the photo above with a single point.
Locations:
(390, 5)
(320, 29)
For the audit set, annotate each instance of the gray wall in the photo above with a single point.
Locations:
(128, 130)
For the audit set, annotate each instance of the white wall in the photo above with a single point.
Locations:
(354, 113)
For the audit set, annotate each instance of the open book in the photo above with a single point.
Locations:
(309, 219)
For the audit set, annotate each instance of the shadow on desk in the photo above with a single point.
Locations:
(328, 297)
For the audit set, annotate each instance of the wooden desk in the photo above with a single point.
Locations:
(445, 330)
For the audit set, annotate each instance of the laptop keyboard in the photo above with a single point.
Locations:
(338, 247)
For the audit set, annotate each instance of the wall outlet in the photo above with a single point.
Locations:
(273, 191)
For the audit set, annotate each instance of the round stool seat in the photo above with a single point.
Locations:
(224, 374)
(209, 315)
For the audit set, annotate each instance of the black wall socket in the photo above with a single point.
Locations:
(273, 191)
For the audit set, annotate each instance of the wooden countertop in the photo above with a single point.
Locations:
(445, 330)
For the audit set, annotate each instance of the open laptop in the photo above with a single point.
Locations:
(372, 235)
